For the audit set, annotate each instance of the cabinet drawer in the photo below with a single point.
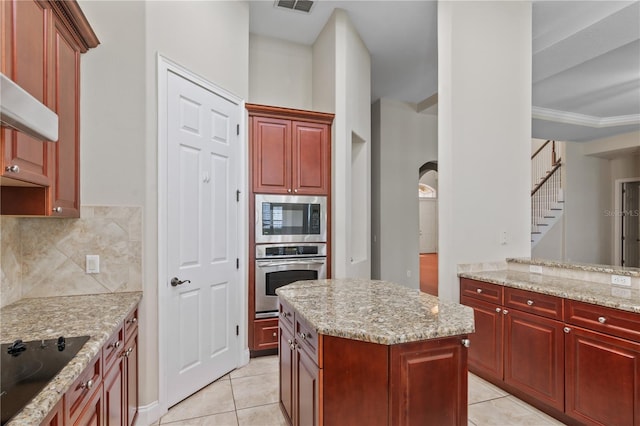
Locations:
(265, 334)
(131, 324)
(535, 303)
(113, 348)
(606, 320)
(286, 315)
(307, 338)
(83, 388)
(481, 290)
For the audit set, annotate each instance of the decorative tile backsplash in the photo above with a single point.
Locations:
(50, 253)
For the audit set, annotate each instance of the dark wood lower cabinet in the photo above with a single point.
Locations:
(114, 391)
(307, 399)
(426, 385)
(602, 378)
(485, 354)
(534, 356)
(286, 356)
(55, 416)
(131, 384)
(92, 413)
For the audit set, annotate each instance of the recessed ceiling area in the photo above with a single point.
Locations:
(586, 57)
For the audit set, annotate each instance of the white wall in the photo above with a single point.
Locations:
(280, 72)
(551, 246)
(119, 115)
(484, 111)
(342, 85)
(404, 141)
(586, 197)
(613, 146)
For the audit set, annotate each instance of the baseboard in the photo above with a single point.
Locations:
(245, 356)
(148, 414)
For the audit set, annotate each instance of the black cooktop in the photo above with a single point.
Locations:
(27, 367)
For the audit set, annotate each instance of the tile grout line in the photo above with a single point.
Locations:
(488, 400)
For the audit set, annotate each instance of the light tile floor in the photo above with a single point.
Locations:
(248, 396)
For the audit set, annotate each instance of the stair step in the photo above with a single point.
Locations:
(536, 232)
(542, 224)
(549, 217)
(555, 209)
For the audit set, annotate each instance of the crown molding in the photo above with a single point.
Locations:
(565, 117)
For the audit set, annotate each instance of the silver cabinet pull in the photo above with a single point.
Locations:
(602, 320)
(498, 310)
(295, 190)
(289, 190)
(275, 334)
(530, 302)
(134, 319)
(479, 290)
(505, 312)
(115, 345)
(303, 336)
(57, 209)
(466, 343)
(566, 329)
(14, 168)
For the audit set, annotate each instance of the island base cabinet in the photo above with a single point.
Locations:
(286, 355)
(429, 383)
(602, 378)
(307, 407)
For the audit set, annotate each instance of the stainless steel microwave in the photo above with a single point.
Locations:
(290, 219)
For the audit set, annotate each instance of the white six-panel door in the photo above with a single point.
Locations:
(202, 234)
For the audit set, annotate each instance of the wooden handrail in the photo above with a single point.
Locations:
(546, 178)
(540, 149)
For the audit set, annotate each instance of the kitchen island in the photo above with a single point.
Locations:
(371, 352)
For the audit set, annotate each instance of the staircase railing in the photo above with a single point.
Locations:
(546, 181)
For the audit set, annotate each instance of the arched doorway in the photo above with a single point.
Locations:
(428, 222)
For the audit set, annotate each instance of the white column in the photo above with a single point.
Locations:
(484, 134)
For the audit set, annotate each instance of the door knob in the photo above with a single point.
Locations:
(176, 282)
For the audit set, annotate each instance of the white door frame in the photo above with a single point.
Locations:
(164, 66)
(617, 232)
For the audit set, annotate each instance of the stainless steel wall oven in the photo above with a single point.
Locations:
(280, 264)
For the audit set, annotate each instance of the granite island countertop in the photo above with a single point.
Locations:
(97, 316)
(375, 311)
(617, 297)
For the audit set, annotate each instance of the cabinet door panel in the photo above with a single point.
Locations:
(485, 352)
(131, 361)
(286, 371)
(308, 390)
(66, 152)
(26, 51)
(114, 391)
(310, 158)
(534, 356)
(603, 378)
(429, 383)
(271, 145)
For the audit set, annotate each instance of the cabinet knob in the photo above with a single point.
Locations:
(87, 385)
(466, 343)
(505, 312)
(530, 302)
(57, 209)
(303, 336)
(134, 320)
(289, 190)
(602, 320)
(115, 345)
(283, 314)
(14, 168)
(498, 310)
(275, 334)
(295, 190)
(566, 329)
(479, 290)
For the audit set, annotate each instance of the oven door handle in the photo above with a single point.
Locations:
(264, 264)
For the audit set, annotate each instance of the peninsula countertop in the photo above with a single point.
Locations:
(97, 316)
(375, 311)
(623, 298)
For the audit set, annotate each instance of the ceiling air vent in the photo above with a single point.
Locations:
(299, 5)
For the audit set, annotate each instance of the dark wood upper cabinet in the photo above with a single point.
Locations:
(41, 47)
(290, 150)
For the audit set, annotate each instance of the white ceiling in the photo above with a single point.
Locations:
(586, 57)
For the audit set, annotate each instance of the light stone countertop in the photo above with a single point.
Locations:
(97, 316)
(623, 298)
(587, 267)
(376, 311)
